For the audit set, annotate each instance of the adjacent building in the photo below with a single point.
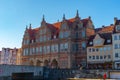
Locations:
(8, 56)
(61, 44)
(0, 57)
(106, 54)
(99, 51)
(19, 57)
(116, 44)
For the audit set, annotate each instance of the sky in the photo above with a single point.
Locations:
(16, 14)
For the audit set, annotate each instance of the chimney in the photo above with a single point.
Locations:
(103, 26)
(115, 19)
(111, 24)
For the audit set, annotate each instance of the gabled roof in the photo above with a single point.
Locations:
(57, 25)
(106, 36)
(105, 29)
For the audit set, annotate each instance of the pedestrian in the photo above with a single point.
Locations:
(104, 76)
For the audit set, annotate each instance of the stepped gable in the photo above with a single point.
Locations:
(85, 21)
(55, 27)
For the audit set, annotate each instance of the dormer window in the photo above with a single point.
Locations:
(108, 41)
(54, 36)
(91, 43)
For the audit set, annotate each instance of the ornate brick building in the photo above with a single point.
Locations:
(61, 44)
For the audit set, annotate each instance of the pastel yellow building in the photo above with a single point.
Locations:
(99, 51)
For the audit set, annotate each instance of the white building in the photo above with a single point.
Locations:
(116, 44)
(8, 56)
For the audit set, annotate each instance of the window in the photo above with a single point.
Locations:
(30, 51)
(108, 41)
(41, 38)
(27, 41)
(83, 45)
(89, 57)
(52, 48)
(56, 47)
(93, 50)
(119, 37)
(44, 49)
(41, 31)
(101, 57)
(89, 49)
(66, 34)
(37, 49)
(61, 35)
(83, 33)
(75, 47)
(104, 56)
(27, 51)
(44, 38)
(97, 57)
(48, 37)
(48, 49)
(105, 48)
(116, 46)
(109, 57)
(115, 37)
(33, 50)
(97, 49)
(91, 43)
(109, 48)
(93, 57)
(116, 55)
(66, 46)
(101, 49)
(76, 35)
(40, 49)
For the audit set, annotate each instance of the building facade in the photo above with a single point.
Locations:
(8, 56)
(116, 44)
(19, 57)
(99, 51)
(61, 44)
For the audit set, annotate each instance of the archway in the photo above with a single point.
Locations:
(46, 63)
(31, 63)
(38, 63)
(54, 63)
